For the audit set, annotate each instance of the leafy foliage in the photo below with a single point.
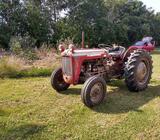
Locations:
(50, 21)
(15, 46)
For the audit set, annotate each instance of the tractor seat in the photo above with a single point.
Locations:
(117, 52)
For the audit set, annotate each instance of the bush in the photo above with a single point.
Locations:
(15, 46)
(29, 54)
(23, 47)
(27, 41)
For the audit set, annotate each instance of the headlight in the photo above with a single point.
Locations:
(71, 48)
(61, 48)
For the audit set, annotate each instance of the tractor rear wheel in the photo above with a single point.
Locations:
(93, 91)
(138, 70)
(57, 81)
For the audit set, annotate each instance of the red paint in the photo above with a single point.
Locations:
(79, 56)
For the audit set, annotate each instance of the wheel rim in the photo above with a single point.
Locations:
(96, 93)
(142, 73)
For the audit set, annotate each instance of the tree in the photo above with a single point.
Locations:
(136, 17)
(89, 16)
(155, 28)
(12, 22)
(104, 21)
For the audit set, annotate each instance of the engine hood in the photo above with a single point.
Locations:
(84, 52)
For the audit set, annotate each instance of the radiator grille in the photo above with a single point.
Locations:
(67, 66)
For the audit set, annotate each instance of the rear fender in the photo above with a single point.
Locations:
(128, 53)
(149, 48)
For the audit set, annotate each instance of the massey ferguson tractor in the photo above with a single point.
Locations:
(94, 67)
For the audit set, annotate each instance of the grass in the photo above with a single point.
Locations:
(31, 110)
(32, 72)
(14, 67)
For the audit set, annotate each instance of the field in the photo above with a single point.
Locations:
(30, 109)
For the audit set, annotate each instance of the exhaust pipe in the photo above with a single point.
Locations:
(83, 45)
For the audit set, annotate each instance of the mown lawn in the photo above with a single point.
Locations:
(30, 109)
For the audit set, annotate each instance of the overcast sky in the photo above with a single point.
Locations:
(155, 4)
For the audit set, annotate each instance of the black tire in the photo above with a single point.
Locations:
(138, 70)
(87, 90)
(57, 81)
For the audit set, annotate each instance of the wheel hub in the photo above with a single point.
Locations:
(142, 72)
(96, 93)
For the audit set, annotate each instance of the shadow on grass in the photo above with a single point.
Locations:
(155, 52)
(23, 132)
(3, 113)
(120, 100)
(72, 91)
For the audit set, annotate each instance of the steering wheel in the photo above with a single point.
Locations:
(105, 46)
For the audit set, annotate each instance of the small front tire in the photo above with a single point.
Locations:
(93, 91)
(57, 81)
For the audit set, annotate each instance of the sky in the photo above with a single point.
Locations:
(155, 4)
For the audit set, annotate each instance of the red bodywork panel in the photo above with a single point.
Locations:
(78, 56)
(148, 48)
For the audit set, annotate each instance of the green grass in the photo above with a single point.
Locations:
(30, 109)
(33, 72)
(12, 67)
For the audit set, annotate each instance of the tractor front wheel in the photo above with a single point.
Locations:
(93, 91)
(57, 81)
(138, 70)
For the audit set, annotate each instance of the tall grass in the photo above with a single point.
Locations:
(14, 67)
(29, 63)
(10, 66)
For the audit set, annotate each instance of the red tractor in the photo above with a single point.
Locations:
(94, 67)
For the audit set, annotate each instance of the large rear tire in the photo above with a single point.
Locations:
(138, 70)
(93, 91)
(57, 81)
